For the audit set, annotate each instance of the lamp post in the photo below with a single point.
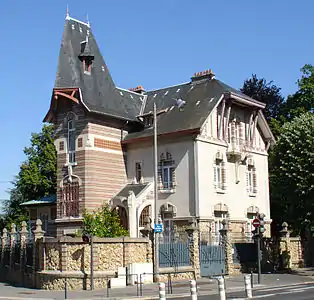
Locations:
(179, 104)
(156, 244)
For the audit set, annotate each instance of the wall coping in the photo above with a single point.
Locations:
(97, 240)
(76, 274)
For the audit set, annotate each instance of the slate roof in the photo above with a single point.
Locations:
(136, 188)
(100, 95)
(48, 200)
(99, 92)
(200, 96)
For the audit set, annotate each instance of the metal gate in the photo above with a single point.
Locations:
(212, 260)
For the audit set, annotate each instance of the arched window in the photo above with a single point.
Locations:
(146, 212)
(166, 172)
(71, 138)
(69, 199)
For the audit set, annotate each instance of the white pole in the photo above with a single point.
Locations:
(221, 288)
(156, 193)
(162, 291)
(248, 287)
(193, 290)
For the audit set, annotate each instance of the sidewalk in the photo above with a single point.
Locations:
(150, 291)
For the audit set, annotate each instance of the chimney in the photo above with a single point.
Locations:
(139, 89)
(207, 74)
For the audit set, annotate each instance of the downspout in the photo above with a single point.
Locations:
(196, 182)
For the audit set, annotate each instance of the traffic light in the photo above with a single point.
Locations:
(85, 238)
(262, 223)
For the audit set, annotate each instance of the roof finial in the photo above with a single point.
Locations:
(67, 13)
(87, 19)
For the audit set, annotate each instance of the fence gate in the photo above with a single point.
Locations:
(212, 260)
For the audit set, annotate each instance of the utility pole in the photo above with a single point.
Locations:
(156, 235)
(258, 240)
(91, 262)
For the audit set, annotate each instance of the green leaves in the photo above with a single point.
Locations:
(37, 175)
(292, 173)
(103, 223)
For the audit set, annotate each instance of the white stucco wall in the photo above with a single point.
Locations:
(236, 196)
(183, 155)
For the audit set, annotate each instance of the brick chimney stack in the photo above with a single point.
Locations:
(139, 89)
(207, 74)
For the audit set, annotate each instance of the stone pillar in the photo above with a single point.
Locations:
(38, 253)
(227, 245)
(64, 256)
(194, 249)
(12, 244)
(4, 239)
(148, 232)
(23, 244)
(132, 214)
(284, 245)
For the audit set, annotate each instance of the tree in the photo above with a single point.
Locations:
(292, 173)
(36, 178)
(266, 92)
(303, 100)
(103, 223)
(38, 174)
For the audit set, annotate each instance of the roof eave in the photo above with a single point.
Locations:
(186, 131)
(245, 100)
(266, 129)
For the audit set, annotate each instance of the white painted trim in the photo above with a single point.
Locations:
(78, 21)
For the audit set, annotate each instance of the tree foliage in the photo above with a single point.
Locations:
(266, 92)
(36, 178)
(103, 223)
(292, 173)
(303, 100)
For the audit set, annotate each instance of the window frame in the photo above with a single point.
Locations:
(71, 144)
(138, 171)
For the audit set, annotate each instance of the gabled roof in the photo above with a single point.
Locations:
(200, 97)
(98, 91)
(48, 200)
(135, 188)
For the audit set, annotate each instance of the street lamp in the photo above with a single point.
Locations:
(180, 104)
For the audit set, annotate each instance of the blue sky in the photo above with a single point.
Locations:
(149, 43)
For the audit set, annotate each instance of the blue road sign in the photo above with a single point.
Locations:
(158, 228)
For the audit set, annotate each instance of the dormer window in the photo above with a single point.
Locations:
(86, 57)
(87, 67)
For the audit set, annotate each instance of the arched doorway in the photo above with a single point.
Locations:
(146, 212)
(122, 213)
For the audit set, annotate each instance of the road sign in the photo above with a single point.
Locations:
(158, 228)
(256, 223)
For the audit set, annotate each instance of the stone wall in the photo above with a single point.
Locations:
(42, 262)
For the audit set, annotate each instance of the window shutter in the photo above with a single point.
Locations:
(223, 176)
(215, 176)
(247, 179)
(173, 177)
(254, 181)
(160, 184)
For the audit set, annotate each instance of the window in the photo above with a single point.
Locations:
(87, 66)
(251, 180)
(138, 172)
(69, 200)
(219, 217)
(71, 140)
(234, 132)
(166, 172)
(218, 174)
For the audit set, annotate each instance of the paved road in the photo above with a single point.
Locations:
(290, 292)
